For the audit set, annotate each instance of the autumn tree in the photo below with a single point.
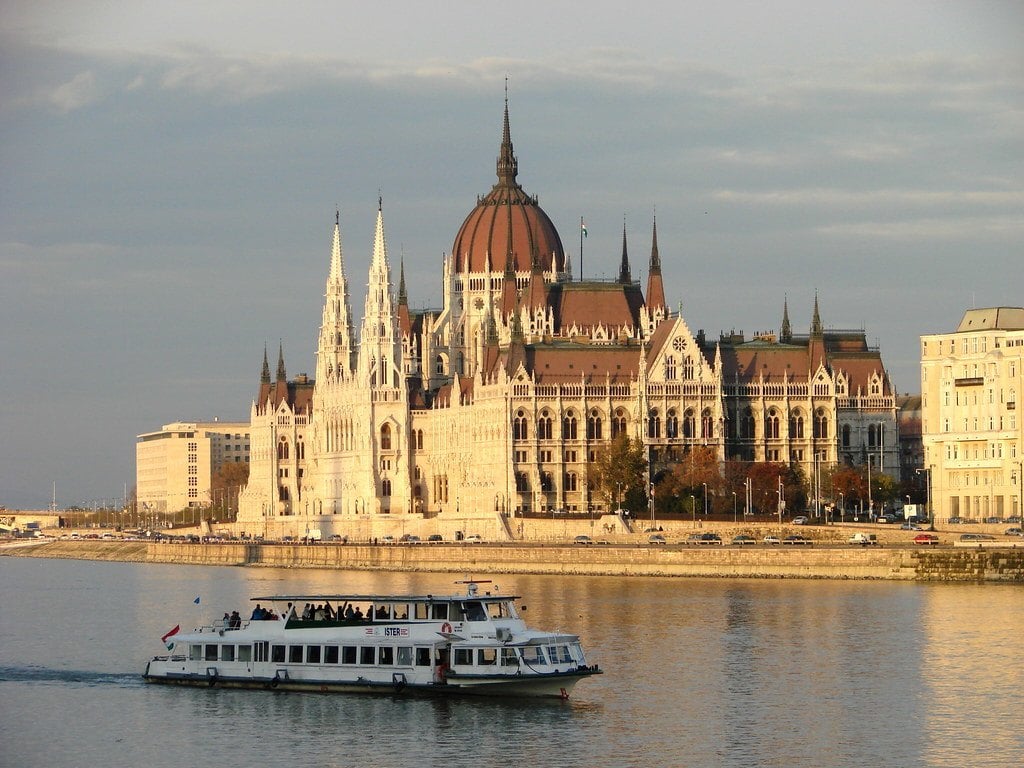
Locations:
(225, 485)
(618, 473)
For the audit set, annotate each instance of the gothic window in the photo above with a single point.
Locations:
(846, 435)
(439, 365)
(385, 437)
(747, 425)
(519, 429)
(300, 450)
(282, 449)
(670, 368)
(671, 424)
(419, 439)
(618, 422)
(873, 435)
(544, 426)
(569, 426)
(546, 482)
(571, 481)
(772, 425)
(689, 424)
(821, 424)
(385, 487)
(282, 493)
(688, 368)
(594, 431)
(707, 425)
(654, 424)
(796, 425)
(522, 483)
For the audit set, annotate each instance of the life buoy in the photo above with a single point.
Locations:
(446, 628)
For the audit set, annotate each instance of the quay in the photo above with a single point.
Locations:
(991, 564)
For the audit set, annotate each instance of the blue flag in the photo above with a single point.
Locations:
(196, 601)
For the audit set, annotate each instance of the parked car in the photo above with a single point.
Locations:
(474, 538)
(926, 540)
(771, 540)
(864, 539)
(797, 540)
(976, 537)
(888, 518)
(387, 539)
(656, 538)
(743, 540)
(801, 520)
(1015, 531)
(910, 527)
(581, 539)
(435, 537)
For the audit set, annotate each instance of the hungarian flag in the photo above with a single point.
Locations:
(583, 228)
(172, 633)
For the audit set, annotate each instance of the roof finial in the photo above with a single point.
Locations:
(508, 166)
(265, 375)
(624, 276)
(281, 375)
(816, 320)
(786, 333)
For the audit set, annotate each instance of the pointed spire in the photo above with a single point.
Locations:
(655, 286)
(655, 267)
(624, 276)
(786, 334)
(403, 299)
(281, 374)
(816, 320)
(265, 375)
(508, 166)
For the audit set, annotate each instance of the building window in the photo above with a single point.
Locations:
(385, 487)
(520, 430)
(671, 424)
(846, 435)
(689, 425)
(544, 427)
(619, 422)
(571, 481)
(569, 426)
(821, 425)
(796, 426)
(772, 426)
(707, 425)
(688, 368)
(654, 424)
(747, 425)
(594, 431)
(282, 449)
(670, 368)
(385, 437)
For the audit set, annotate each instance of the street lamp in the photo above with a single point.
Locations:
(927, 494)
(734, 507)
(842, 508)
(693, 509)
(705, 499)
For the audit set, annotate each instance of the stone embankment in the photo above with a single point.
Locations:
(830, 562)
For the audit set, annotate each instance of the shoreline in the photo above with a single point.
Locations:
(940, 564)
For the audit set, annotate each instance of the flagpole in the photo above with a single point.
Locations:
(582, 230)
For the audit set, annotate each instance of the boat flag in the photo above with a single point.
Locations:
(583, 228)
(172, 633)
(196, 601)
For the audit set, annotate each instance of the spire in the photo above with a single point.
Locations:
(265, 375)
(281, 374)
(786, 334)
(337, 341)
(508, 166)
(816, 320)
(655, 287)
(624, 276)
(403, 299)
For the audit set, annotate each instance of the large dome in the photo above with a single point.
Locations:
(507, 219)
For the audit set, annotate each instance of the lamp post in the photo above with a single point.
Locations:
(842, 508)
(705, 499)
(927, 494)
(871, 506)
(652, 504)
(734, 507)
(693, 509)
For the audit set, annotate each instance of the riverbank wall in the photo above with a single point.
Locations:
(880, 563)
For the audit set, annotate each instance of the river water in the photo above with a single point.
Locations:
(697, 673)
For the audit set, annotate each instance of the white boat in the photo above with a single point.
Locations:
(472, 643)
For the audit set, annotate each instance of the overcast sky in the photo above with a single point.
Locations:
(169, 174)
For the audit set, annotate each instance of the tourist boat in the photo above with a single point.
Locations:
(472, 643)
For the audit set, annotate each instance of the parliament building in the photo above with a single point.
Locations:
(498, 403)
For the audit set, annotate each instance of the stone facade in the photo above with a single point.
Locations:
(971, 382)
(498, 403)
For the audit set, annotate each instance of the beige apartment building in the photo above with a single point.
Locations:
(971, 381)
(174, 467)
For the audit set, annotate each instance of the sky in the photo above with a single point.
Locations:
(170, 173)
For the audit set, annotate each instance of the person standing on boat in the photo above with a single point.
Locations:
(258, 613)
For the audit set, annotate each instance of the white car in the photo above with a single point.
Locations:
(474, 538)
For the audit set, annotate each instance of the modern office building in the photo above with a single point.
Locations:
(174, 467)
(971, 382)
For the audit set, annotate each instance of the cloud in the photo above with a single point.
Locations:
(76, 93)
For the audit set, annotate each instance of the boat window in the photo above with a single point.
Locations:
(474, 611)
(312, 654)
(227, 653)
(534, 654)
(295, 654)
(195, 652)
(422, 657)
(559, 654)
(400, 611)
(421, 611)
(487, 656)
(383, 612)
(245, 653)
(262, 650)
(404, 656)
(211, 653)
(277, 653)
(498, 610)
(386, 655)
(509, 657)
(439, 611)
(348, 654)
(463, 656)
(330, 654)
(366, 654)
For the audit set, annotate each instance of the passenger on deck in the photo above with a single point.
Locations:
(258, 613)
(318, 614)
(307, 612)
(289, 612)
(349, 613)
(328, 612)
(358, 615)
(235, 622)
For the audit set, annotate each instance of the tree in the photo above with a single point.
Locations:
(621, 467)
(851, 483)
(225, 485)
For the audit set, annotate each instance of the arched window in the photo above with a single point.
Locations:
(594, 431)
(419, 439)
(707, 425)
(654, 424)
(846, 435)
(385, 437)
(520, 431)
(544, 426)
(385, 487)
(688, 368)
(689, 424)
(747, 425)
(522, 483)
(282, 449)
(796, 425)
(546, 482)
(569, 426)
(671, 424)
(771, 425)
(300, 450)
(874, 436)
(670, 368)
(820, 424)
(439, 365)
(571, 482)
(618, 422)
